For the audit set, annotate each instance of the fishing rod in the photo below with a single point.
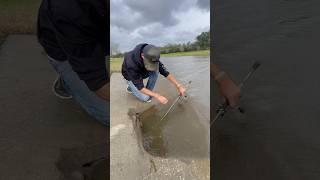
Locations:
(174, 103)
(223, 107)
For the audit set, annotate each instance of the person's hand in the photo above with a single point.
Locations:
(181, 90)
(229, 90)
(161, 99)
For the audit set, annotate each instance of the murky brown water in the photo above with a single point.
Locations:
(184, 133)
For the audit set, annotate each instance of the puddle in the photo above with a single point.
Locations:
(177, 135)
(183, 133)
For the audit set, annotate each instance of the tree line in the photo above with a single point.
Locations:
(202, 42)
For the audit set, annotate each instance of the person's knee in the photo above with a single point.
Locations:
(153, 78)
(153, 75)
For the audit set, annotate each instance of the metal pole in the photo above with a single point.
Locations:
(174, 102)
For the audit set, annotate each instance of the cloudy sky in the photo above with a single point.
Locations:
(157, 22)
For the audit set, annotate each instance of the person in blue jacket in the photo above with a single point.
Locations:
(144, 62)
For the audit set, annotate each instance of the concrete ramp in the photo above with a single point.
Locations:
(41, 136)
(128, 159)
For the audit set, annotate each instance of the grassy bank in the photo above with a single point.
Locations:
(18, 17)
(115, 63)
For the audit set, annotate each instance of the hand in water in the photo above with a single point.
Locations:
(229, 90)
(181, 90)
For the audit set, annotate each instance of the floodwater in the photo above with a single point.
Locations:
(184, 132)
(278, 136)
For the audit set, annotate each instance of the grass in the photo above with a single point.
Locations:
(18, 17)
(115, 63)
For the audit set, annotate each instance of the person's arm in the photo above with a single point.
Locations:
(163, 71)
(179, 87)
(104, 92)
(227, 87)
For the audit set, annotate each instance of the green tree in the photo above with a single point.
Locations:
(203, 40)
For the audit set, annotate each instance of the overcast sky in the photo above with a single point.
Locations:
(157, 22)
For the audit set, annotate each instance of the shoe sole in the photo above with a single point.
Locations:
(55, 93)
(130, 92)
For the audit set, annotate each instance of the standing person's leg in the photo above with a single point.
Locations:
(94, 105)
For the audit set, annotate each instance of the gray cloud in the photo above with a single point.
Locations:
(143, 12)
(157, 21)
(204, 4)
(158, 11)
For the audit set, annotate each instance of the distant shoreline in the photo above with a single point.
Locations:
(189, 53)
(115, 63)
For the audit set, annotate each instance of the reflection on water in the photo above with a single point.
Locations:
(184, 132)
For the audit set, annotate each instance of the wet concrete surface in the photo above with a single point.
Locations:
(129, 159)
(41, 136)
(278, 136)
(184, 132)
